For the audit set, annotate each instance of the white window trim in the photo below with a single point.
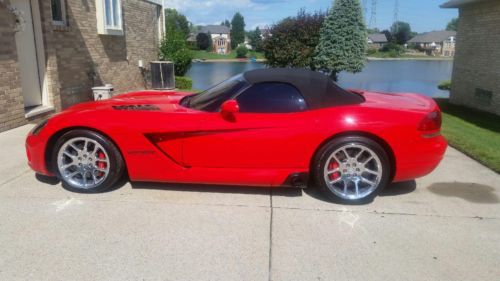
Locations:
(63, 14)
(102, 27)
(157, 2)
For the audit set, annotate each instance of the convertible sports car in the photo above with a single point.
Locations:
(270, 127)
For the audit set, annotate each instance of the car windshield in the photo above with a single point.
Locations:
(211, 99)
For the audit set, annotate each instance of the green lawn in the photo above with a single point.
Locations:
(385, 55)
(473, 132)
(204, 55)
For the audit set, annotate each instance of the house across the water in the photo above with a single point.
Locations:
(221, 38)
(436, 43)
(376, 40)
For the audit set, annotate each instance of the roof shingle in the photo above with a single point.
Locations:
(433, 36)
(215, 29)
(377, 38)
(459, 3)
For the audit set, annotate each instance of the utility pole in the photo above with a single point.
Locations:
(373, 16)
(396, 13)
(365, 10)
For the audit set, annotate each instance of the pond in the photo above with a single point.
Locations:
(416, 76)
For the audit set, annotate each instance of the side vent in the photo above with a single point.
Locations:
(137, 107)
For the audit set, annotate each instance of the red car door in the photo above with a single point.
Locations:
(272, 130)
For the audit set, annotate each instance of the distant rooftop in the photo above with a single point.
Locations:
(215, 29)
(459, 3)
(377, 38)
(433, 36)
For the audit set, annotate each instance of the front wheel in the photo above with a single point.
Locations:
(86, 161)
(351, 170)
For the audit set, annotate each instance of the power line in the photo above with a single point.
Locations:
(365, 9)
(373, 16)
(396, 10)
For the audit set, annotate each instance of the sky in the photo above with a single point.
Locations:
(423, 15)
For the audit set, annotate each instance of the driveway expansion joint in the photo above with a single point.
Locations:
(271, 233)
(9, 180)
(387, 213)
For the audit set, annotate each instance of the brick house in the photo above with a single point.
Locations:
(53, 52)
(436, 43)
(221, 38)
(476, 69)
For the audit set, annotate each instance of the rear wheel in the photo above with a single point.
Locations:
(86, 161)
(351, 169)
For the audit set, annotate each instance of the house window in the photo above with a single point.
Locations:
(113, 14)
(483, 97)
(58, 8)
(109, 17)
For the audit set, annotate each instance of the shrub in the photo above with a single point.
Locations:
(393, 53)
(173, 48)
(182, 61)
(371, 51)
(241, 52)
(171, 44)
(392, 47)
(184, 83)
(445, 85)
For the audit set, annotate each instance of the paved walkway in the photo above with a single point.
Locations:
(445, 226)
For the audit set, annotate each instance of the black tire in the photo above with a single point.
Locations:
(116, 162)
(323, 155)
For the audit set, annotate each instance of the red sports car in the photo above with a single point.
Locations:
(269, 127)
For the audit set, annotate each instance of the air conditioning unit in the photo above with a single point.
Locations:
(103, 92)
(162, 75)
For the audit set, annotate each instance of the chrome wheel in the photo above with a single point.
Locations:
(353, 171)
(83, 163)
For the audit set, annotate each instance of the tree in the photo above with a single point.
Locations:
(291, 42)
(342, 42)
(202, 40)
(210, 42)
(226, 23)
(255, 38)
(176, 22)
(388, 35)
(237, 30)
(401, 32)
(452, 25)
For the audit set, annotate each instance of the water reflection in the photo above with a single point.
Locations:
(390, 76)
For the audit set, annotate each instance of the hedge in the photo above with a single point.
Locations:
(182, 82)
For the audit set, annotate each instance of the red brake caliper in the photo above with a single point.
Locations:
(100, 164)
(333, 165)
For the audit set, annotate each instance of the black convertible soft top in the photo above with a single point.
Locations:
(318, 89)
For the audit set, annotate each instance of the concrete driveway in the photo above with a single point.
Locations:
(445, 226)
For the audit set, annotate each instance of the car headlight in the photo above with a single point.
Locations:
(38, 128)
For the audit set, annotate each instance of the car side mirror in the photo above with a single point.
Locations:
(229, 109)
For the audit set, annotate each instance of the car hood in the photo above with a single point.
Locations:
(137, 101)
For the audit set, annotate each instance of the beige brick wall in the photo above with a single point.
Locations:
(84, 58)
(11, 100)
(77, 58)
(477, 59)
